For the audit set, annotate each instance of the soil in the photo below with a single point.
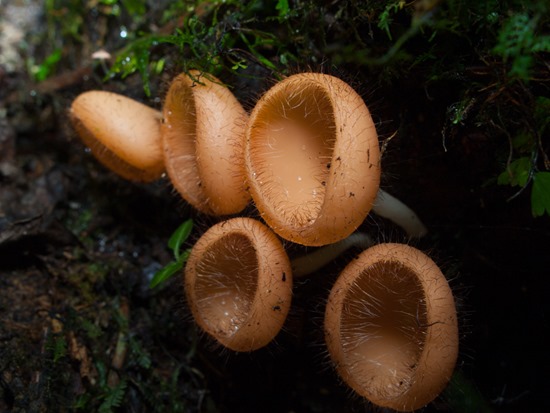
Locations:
(80, 327)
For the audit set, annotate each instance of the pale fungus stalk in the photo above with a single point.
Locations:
(391, 327)
(238, 284)
(313, 261)
(123, 134)
(312, 158)
(388, 206)
(203, 139)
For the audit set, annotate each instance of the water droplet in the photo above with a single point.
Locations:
(123, 32)
(299, 178)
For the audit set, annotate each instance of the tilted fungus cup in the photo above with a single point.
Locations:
(313, 159)
(391, 327)
(203, 140)
(238, 284)
(123, 134)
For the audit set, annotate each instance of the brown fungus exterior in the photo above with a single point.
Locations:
(391, 327)
(238, 284)
(203, 139)
(123, 134)
(313, 159)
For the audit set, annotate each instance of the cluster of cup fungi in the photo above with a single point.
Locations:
(308, 156)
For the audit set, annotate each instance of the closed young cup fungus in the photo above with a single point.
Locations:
(123, 134)
(238, 284)
(203, 139)
(312, 158)
(391, 327)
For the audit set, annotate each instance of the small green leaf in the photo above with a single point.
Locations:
(517, 174)
(540, 194)
(135, 7)
(43, 71)
(165, 273)
(179, 236)
(59, 348)
(282, 7)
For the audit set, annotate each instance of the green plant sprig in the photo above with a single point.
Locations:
(175, 243)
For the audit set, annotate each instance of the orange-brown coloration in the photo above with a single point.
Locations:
(238, 284)
(391, 327)
(203, 140)
(312, 159)
(123, 134)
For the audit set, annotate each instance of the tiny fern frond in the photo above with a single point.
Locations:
(113, 397)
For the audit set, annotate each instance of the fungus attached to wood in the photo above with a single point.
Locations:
(238, 284)
(123, 134)
(313, 159)
(391, 327)
(203, 139)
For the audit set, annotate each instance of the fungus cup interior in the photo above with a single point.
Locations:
(123, 134)
(227, 283)
(396, 339)
(294, 159)
(312, 159)
(238, 284)
(203, 136)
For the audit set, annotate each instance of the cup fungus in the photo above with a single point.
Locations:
(238, 284)
(203, 139)
(312, 157)
(123, 134)
(391, 327)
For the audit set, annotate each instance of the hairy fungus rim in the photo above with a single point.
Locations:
(203, 140)
(345, 172)
(269, 303)
(431, 366)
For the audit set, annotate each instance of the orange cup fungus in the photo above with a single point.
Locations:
(238, 283)
(312, 158)
(391, 327)
(203, 139)
(123, 134)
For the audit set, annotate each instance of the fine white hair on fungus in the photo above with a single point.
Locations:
(238, 283)
(312, 158)
(391, 327)
(122, 133)
(203, 137)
